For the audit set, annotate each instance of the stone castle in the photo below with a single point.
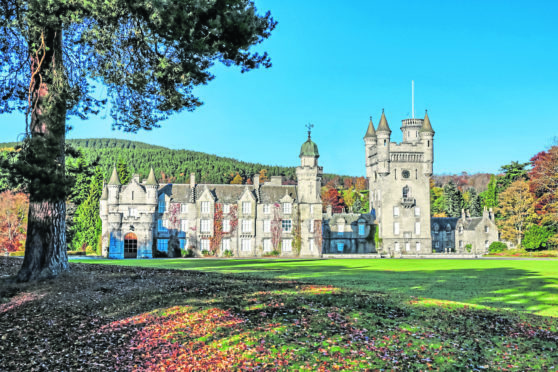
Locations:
(270, 218)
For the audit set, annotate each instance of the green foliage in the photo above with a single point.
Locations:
(17, 254)
(87, 222)
(475, 203)
(453, 199)
(124, 175)
(511, 172)
(275, 253)
(188, 253)
(227, 253)
(468, 247)
(496, 247)
(490, 196)
(536, 237)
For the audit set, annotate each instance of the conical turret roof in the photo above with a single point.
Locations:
(370, 132)
(383, 126)
(104, 194)
(151, 180)
(426, 127)
(114, 177)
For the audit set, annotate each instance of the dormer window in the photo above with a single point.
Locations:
(287, 208)
(205, 207)
(246, 207)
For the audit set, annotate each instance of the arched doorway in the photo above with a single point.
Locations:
(130, 246)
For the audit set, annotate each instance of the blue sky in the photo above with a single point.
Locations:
(487, 71)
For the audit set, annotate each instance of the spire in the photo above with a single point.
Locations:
(114, 178)
(151, 180)
(383, 126)
(104, 194)
(426, 127)
(370, 132)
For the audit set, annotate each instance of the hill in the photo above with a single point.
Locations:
(173, 165)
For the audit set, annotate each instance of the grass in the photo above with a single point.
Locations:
(107, 317)
(530, 286)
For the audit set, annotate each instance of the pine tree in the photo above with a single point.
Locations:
(124, 173)
(475, 203)
(150, 56)
(453, 199)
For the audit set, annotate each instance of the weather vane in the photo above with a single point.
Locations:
(309, 126)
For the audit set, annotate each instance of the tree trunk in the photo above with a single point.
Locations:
(45, 247)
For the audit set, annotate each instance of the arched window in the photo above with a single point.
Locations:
(436, 228)
(130, 245)
(448, 227)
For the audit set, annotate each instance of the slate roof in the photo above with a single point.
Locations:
(177, 191)
(443, 222)
(471, 223)
(370, 132)
(272, 194)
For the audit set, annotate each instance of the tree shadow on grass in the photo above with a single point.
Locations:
(103, 317)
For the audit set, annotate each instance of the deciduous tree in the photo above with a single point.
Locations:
(149, 55)
(13, 220)
(516, 207)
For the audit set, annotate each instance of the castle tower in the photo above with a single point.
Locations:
(399, 180)
(369, 147)
(309, 177)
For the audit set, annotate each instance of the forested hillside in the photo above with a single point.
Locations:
(172, 165)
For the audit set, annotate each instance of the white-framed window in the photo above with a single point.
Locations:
(287, 245)
(161, 226)
(360, 229)
(183, 208)
(396, 228)
(226, 225)
(266, 209)
(205, 207)
(246, 245)
(397, 247)
(246, 226)
(340, 229)
(311, 210)
(417, 246)
(395, 211)
(226, 244)
(287, 225)
(311, 245)
(311, 226)
(486, 244)
(461, 244)
(205, 244)
(163, 245)
(287, 208)
(205, 225)
(162, 204)
(184, 226)
(407, 247)
(417, 228)
(182, 243)
(417, 211)
(132, 212)
(226, 208)
(267, 245)
(246, 207)
(267, 226)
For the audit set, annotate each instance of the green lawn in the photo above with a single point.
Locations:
(524, 285)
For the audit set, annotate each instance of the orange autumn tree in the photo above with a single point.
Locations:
(13, 221)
